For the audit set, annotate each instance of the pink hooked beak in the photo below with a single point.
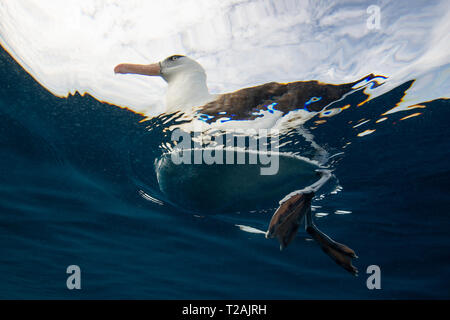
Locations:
(153, 69)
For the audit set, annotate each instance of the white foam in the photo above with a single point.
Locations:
(342, 212)
(321, 214)
(148, 197)
(250, 229)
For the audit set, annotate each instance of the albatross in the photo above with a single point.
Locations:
(187, 89)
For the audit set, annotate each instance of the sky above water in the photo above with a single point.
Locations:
(73, 45)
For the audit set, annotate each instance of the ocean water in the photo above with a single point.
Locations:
(77, 176)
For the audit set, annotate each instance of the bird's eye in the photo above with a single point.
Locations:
(174, 57)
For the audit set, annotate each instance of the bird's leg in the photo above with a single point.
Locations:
(289, 215)
(340, 253)
(296, 207)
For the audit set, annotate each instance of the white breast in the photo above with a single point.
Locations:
(187, 90)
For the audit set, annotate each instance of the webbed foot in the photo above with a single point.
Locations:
(339, 252)
(288, 217)
(290, 214)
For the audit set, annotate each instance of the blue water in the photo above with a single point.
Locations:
(71, 171)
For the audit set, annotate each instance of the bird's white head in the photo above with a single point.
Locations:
(186, 79)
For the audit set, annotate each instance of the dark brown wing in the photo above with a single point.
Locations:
(246, 104)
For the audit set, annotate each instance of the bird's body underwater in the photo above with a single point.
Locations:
(187, 90)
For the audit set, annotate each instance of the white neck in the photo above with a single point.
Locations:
(187, 90)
